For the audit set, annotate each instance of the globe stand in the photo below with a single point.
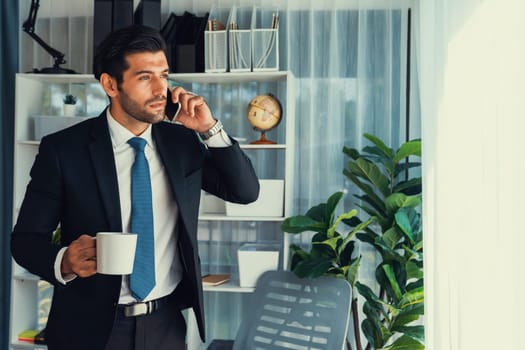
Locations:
(263, 140)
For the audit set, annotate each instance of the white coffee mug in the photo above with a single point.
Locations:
(115, 252)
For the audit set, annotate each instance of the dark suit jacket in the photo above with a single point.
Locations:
(74, 183)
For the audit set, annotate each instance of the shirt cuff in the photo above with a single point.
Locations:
(63, 279)
(221, 139)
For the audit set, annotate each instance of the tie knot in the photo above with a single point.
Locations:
(138, 143)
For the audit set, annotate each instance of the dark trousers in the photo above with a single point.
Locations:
(165, 329)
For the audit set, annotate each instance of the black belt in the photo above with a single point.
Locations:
(144, 307)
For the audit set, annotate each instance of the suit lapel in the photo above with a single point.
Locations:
(103, 160)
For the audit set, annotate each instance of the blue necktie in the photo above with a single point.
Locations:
(142, 280)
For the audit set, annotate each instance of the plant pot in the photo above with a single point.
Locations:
(69, 110)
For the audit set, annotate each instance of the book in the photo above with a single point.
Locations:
(28, 335)
(215, 280)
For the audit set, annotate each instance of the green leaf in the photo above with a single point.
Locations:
(413, 271)
(351, 273)
(375, 302)
(404, 222)
(370, 332)
(416, 296)
(318, 213)
(408, 315)
(346, 253)
(367, 189)
(331, 243)
(405, 343)
(410, 148)
(331, 205)
(351, 152)
(312, 268)
(301, 223)
(373, 327)
(355, 230)
(410, 187)
(344, 216)
(400, 200)
(391, 237)
(404, 166)
(414, 332)
(387, 152)
(389, 273)
(370, 172)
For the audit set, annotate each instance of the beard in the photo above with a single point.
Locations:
(140, 112)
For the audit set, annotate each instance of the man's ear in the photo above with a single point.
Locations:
(109, 84)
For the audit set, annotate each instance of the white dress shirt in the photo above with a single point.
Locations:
(168, 270)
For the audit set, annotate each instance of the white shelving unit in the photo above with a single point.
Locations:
(41, 94)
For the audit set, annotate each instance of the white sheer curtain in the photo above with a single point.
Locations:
(472, 75)
(349, 58)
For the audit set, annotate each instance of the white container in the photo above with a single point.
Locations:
(48, 124)
(269, 203)
(211, 204)
(240, 39)
(254, 259)
(265, 39)
(216, 41)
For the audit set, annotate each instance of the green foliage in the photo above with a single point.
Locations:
(70, 99)
(331, 252)
(388, 191)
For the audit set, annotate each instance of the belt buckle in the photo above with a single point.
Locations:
(137, 309)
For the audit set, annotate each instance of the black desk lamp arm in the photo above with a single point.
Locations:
(29, 28)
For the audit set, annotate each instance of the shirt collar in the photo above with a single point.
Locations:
(120, 135)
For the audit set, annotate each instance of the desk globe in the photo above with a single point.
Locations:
(264, 113)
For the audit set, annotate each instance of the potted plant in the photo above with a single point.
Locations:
(390, 185)
(69, 105)
(390, 196)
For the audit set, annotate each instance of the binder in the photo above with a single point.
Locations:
(148, 13)
(122, 13)
(102, 21)
(184, 36)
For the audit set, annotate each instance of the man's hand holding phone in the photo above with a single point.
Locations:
(192, 112)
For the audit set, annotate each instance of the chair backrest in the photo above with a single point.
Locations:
(296, 313)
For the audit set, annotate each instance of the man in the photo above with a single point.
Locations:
(82, 179)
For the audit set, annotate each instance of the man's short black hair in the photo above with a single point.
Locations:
(110, 56)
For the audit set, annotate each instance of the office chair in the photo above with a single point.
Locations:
(294, 313)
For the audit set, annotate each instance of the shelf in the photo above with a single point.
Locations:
(27, 346)
(60, 78)
(275, 146)
(206, 78)
(231, 286)
(232, 77)
(243, 146)
(222, 217)
(26, 276)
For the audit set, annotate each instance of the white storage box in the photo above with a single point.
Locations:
(254, 259)
(211, 204)
(269, 203)
(48, 124)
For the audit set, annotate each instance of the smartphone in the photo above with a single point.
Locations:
(172, 109)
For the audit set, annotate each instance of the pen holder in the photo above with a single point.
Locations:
(265, 49)
(265, 40)
(216, 41)
(240, 39)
